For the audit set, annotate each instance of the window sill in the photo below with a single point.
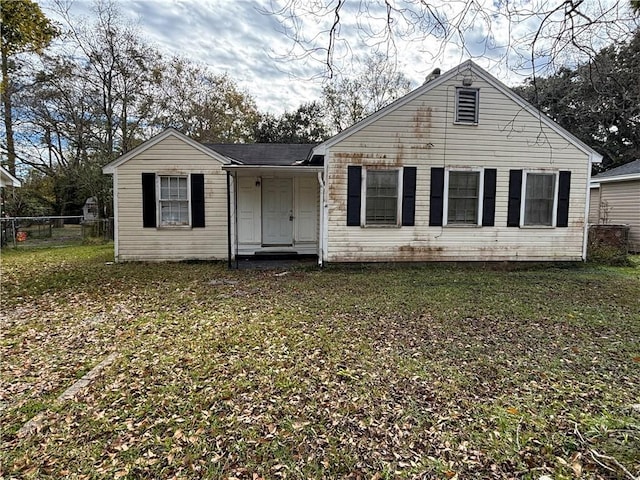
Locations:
(380, 226)
(462, 225)
(544, 227)
(470, 124)
(174, 227)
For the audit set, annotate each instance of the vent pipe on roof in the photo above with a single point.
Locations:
(433, 75)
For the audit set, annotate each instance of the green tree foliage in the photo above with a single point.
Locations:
(25, 29)
(599, 102)
(303, 125)
(374, 85)
(205, 106)
(35, 197)
(90, 102)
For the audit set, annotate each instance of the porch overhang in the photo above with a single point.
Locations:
(273, 169)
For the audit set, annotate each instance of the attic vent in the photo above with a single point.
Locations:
(467, 105)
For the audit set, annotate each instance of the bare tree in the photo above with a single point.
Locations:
(375, 84)
(525, 35)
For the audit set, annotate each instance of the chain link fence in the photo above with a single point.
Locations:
(55, 230)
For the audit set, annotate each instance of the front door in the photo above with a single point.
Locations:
(277, 211)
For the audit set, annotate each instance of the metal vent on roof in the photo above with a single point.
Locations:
(467, 105)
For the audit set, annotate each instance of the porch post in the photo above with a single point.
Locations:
(228, 221)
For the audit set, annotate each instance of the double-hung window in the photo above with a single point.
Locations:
(540, 193)
(378, 196)
(173, 200)
(382, 193)
(463, 198)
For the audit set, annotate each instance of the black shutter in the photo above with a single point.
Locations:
(436, 197)
(489, 198)
(409, 196)
(354, 183)
(197, 200)
(148, 200)
(564, 183)
(515, 189)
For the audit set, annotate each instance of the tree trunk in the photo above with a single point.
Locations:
(8, 120)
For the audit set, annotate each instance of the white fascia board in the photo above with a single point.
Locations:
(615, 178)
(110, 167)
(272, 168)
(8, 179)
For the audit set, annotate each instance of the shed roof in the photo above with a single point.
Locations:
(630, 168)
(264, 153)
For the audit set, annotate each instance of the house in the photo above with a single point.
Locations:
(461, 168)
(8, 180)
(615, 199)
(176, 199)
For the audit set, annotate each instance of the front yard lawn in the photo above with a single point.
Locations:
(380, 371)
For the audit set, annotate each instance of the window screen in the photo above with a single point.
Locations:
(539, 198)
(464, 190)
(382, 197)
(174, 201)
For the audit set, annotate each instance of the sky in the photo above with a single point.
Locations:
(237, 37)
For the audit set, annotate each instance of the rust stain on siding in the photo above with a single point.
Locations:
(422, 146)
(399, 154)
(352, 156)
(422, 121)
(414, 249)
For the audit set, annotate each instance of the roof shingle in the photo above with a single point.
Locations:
(263, 153)
(626, 169)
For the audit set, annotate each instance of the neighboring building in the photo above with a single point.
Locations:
(90, 210)
(8, 180)
(459, 169)
(615, 200)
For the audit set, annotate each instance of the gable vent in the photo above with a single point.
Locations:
(467, 105)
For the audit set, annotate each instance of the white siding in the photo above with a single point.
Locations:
(622, 200)
(594, 205)
(422, 134)
(171, 156)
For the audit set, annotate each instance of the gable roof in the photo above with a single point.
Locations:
(264, 153)
(468, 66)
(628, 171)
(268, 154)
(6, 179)
(169, 132)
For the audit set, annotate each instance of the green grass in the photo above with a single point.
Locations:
(365, 371)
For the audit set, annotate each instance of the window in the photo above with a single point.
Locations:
(173, 200)
(539, 199)
(467, 105)
(463, 199)
(381, 197)
(462, 196)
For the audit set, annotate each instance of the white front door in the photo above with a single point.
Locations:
(277, 211)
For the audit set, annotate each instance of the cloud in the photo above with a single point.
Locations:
(236, 38)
